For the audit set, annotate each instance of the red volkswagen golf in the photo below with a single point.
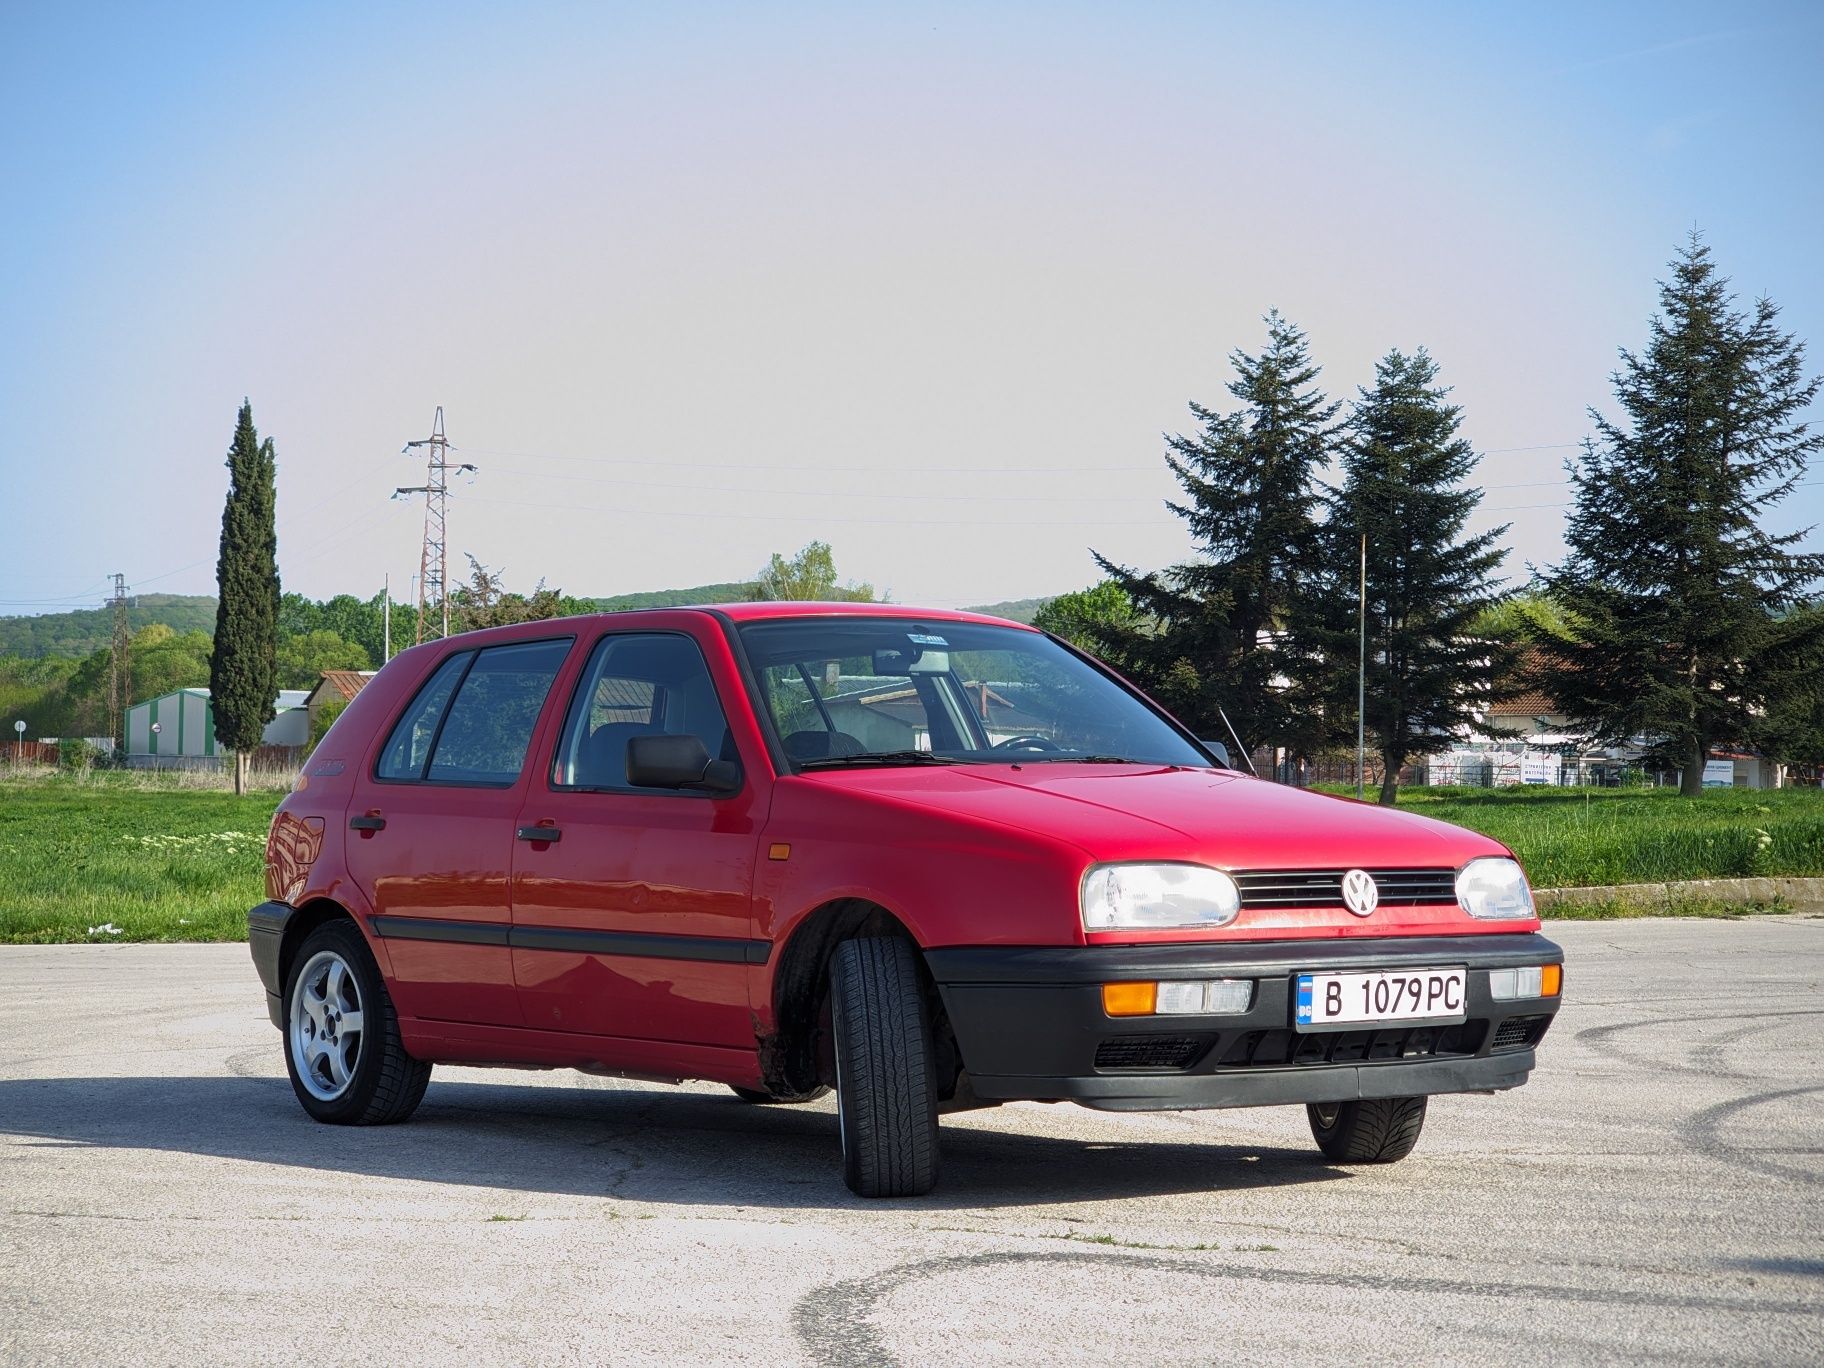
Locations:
(930, 860)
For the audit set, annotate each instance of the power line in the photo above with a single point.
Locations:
(825, 518)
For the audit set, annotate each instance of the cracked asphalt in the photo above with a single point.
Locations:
(1654, 1195)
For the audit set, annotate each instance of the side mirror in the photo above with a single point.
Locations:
(1220, 751)
(678, 762)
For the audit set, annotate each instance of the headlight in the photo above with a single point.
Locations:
(1132, 897)
(1495, 889)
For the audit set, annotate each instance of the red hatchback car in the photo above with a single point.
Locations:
(930, 860)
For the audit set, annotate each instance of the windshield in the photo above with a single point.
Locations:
(854, 691)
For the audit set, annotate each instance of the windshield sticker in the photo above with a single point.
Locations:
(920, 639)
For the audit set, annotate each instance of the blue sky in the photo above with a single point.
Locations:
(695, 284)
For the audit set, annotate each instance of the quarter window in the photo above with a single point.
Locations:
(410, 744)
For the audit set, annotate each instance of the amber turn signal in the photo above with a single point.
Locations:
(1551, 979)
(1129, 999)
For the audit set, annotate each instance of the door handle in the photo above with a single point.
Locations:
(541, 833)
(371, 821)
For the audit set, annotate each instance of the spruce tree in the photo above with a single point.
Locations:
(1679, 600)
(1209, 635)
(1429, 673)
(243, 671)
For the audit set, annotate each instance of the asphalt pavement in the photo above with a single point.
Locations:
(1654, 1195)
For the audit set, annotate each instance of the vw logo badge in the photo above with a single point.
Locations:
(1360, 895)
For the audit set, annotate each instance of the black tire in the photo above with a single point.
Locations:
(1380, 1130)
(383, 1083)
(886, 1085)
(760, 1099)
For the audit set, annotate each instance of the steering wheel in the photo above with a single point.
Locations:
(1027, 741)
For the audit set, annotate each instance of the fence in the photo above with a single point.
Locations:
(1329, 770)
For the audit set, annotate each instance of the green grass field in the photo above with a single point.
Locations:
(1577, 837)
(158, 859)
(130, 857)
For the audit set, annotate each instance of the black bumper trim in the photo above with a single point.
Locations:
(1051, 965)
(1029, 1023)
(265, 937)
(1267, 1088)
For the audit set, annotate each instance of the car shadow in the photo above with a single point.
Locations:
(635, 1144)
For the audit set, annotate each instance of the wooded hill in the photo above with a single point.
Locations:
(84, 631)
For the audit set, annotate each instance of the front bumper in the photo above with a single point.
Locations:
(265, 937)
(1029, 1024)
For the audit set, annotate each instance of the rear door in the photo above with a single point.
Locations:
(431, 830)
(635, 917)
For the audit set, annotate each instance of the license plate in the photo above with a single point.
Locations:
(1389, 996)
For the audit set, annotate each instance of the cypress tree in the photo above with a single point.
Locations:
(1209, 634)
(243, 673)
(1679, 601)
(1429, 675)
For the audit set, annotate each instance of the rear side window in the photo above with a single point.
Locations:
(489, 725)
(472, 721)
(410, 744)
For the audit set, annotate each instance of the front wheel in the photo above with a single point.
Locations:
(1380, 1130)
(342, 1044)
(886, 1085)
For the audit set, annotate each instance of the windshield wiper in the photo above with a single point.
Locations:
(1057, 758)
(899, 757)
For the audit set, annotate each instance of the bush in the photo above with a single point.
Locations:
(319, 725)
(74, 753)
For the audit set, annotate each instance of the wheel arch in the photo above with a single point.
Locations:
(309, 916)
(794, 1055)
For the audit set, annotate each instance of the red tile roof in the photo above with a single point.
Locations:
(1532, 669)
(348, 683)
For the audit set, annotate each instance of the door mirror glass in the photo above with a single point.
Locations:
(678, 762)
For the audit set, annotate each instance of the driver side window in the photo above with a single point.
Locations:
(637, 684)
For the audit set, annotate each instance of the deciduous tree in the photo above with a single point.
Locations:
(808, 576)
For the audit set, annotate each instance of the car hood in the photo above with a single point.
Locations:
(1147, 812)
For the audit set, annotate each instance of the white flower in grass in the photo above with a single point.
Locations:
(105, 929)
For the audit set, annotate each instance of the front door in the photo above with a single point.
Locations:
(635, 918)
(431, 831)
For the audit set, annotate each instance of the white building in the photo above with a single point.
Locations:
(177, 730)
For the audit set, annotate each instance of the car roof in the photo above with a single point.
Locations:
(755, 612)
(734, 612)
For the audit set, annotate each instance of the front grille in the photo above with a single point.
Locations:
(1149, 1051)
(1278, 889)
(1518, 1031)
(1278, 1049)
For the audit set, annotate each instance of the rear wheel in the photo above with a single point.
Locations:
(342, 1044)
(886, 1087)
(765, 1098)
(1379, 1130)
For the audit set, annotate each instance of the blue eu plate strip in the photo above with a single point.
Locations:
(1304, 999)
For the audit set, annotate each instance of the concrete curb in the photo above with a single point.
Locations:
(1801, 895)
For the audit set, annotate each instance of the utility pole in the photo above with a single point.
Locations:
(119, 680)
(434, 560)
(386, 619)
(1361, 672)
